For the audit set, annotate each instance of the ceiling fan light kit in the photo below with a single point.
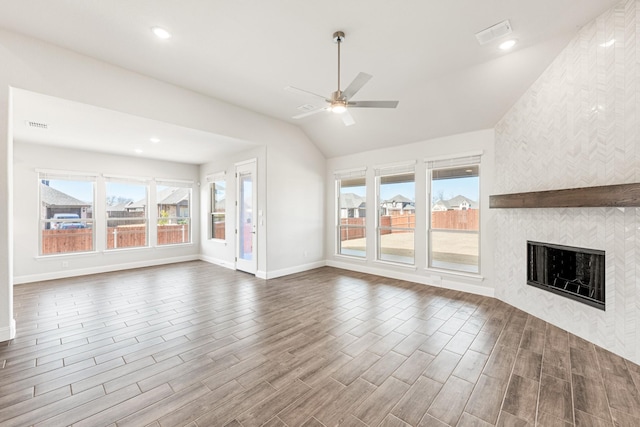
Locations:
(340, 101)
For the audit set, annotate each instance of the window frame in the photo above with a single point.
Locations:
(389, 171)
(141, 181)
(177, 218)
(48, 175)
(358, 174)
(214, 181)
(453, 162)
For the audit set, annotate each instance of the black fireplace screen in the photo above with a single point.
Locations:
(576, 273)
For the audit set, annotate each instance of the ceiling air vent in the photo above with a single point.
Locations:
(493, 32)
(37, 125)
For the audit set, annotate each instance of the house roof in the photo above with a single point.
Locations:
(456, 201)
(173, 195)
(399, 198)
(351, 201)
(168, 196)
(52, 197)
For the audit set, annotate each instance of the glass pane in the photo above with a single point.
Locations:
(396, 218)
(455, 250)
(126, 215)
(66, 213)
(218, 196)
(352, 214)
(218, 226)
(246, 218)
(455, 219)
(174, 210)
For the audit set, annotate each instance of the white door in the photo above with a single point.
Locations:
(246, 227)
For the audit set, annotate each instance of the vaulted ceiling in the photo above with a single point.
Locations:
(245, 52)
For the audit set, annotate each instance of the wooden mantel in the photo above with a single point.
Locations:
(621, 195)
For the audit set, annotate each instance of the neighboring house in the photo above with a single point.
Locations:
(56, 202)
(398, 205)
(352, 206)
(175, 202)
(458, 203)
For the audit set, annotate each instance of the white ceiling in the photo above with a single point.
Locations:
(422, 53)
(86, 127)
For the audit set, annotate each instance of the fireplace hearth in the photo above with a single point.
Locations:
(576, 273)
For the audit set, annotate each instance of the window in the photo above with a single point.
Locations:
(454, 242)
(218, 209)
(66, 213)
(396, 213)
(351, 213)
(126, 212)
(174, 212)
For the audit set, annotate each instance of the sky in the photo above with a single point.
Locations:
(83, 190)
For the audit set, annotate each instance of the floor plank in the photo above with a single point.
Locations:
(198, 345)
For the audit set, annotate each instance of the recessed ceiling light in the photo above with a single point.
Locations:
(161, 33)
(154, 140)
(609, 43)
(138, 151)
(508, 44)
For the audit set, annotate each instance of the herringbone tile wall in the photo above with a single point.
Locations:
(578, 126)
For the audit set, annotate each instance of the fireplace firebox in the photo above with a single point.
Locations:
(576, 273)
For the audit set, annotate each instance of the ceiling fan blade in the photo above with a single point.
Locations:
(347, 118)
(304, 92)
(357, 83)
(373, 104)
(310, 113)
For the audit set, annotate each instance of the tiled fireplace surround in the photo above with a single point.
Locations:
(577, 126)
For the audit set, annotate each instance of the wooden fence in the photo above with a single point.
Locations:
(354, 228)
(456, 220)
(127, 236)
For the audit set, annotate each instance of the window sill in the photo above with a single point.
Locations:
(351, 258)
(411, 267)
(173, 245)
(120, 250)
(65, 255)
(218, 241)
(473, 276)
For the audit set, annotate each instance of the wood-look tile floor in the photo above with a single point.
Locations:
(199, 345)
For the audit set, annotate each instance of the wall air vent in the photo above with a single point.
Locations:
(37, 125)
(494, 32)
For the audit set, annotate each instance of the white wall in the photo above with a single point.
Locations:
(294, 165)
(29, 267)
(448, 146)
(577, 126)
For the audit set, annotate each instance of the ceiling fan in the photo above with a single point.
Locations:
(340, 100)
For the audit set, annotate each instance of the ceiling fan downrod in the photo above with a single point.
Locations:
(338, 37)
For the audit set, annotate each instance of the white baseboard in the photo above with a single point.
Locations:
(439, 280)
(61, 274)
(291, 270)
(216, 261)
(260, 274)
(8, 332)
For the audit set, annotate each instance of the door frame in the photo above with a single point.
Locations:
(241, 169)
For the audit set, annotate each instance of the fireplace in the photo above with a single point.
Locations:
(575, 273)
